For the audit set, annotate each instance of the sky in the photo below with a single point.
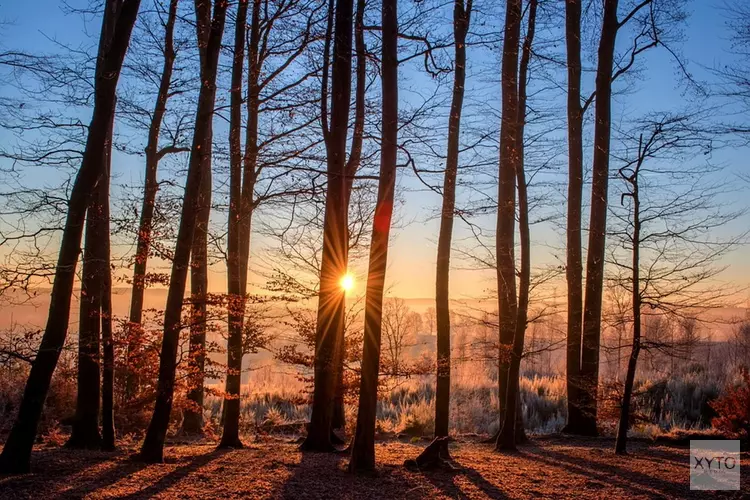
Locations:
(35, 26)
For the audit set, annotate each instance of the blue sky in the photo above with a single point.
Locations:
(32, 26)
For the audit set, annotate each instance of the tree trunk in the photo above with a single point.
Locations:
(193, 416)
(85, 432)
(461, 19)
(598, 223)
(524, 283)
(108, 348)
(121, 17)
(236, 304)
(330, 324)
(352, 165)
(574, 267)
(363, 447)
(151, 186)
(511, 430)
(506, 270)
(209, 33)
(624, 424)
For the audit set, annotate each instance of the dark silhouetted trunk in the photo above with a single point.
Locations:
(151, 186)
(236, 304)
(108, 348)
(511, 430)
(352, 165)
(524, 282)
(635, 283)
(330, 321)
(506, 200)
(363, 447)
(574, 267)
(209, 35)
(120, 16)
(85, 431)
(598, 223)
(461, 19)
(193, 416)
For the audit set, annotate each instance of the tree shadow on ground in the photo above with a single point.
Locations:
(446, 482)
(611, 474)
(177, 475)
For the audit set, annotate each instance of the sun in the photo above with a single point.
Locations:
(347, 282)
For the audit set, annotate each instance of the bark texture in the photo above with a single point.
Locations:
(119, 18)
(363, 447)
(210, 31)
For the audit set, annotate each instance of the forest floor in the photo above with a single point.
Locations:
(274, 468)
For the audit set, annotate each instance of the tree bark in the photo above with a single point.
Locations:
(624, 423)
(461, 20)
(574, 267)
(511, 430)
(598, 223)
(236, 304)
(524, 283)
(363, 447)
(330, 324)
(120, 15)
(85, 432)
(506, 270)
(352, 165)
(108, 348)
(150, 189)
(209, 35)
(193, 416)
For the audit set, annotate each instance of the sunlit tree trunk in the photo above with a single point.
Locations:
(598, 222)
(461, 19)
(209, 35)
(352, 165)
(363, 447)
(120, 16)
(151, 186)
(236, 303)
(330, 323)
(506, 266)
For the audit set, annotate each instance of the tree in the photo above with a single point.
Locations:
(461, 20)
(363, 447)
(651, 22)
(151, 186)
(118, 20)
(330, 323)
(210, 29)
(507, 437)
(235, 305)
(574, 266)
(669, 214)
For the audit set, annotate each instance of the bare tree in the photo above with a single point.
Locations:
(670, 211)
(363, 447)
(330, 322)
(210, 29)
(118, 20)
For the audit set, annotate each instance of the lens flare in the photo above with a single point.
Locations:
(347, 282)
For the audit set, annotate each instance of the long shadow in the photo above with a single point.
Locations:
(446, 483)
(177, 475)
(122, 469)
(306, 475)
(612, 474)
